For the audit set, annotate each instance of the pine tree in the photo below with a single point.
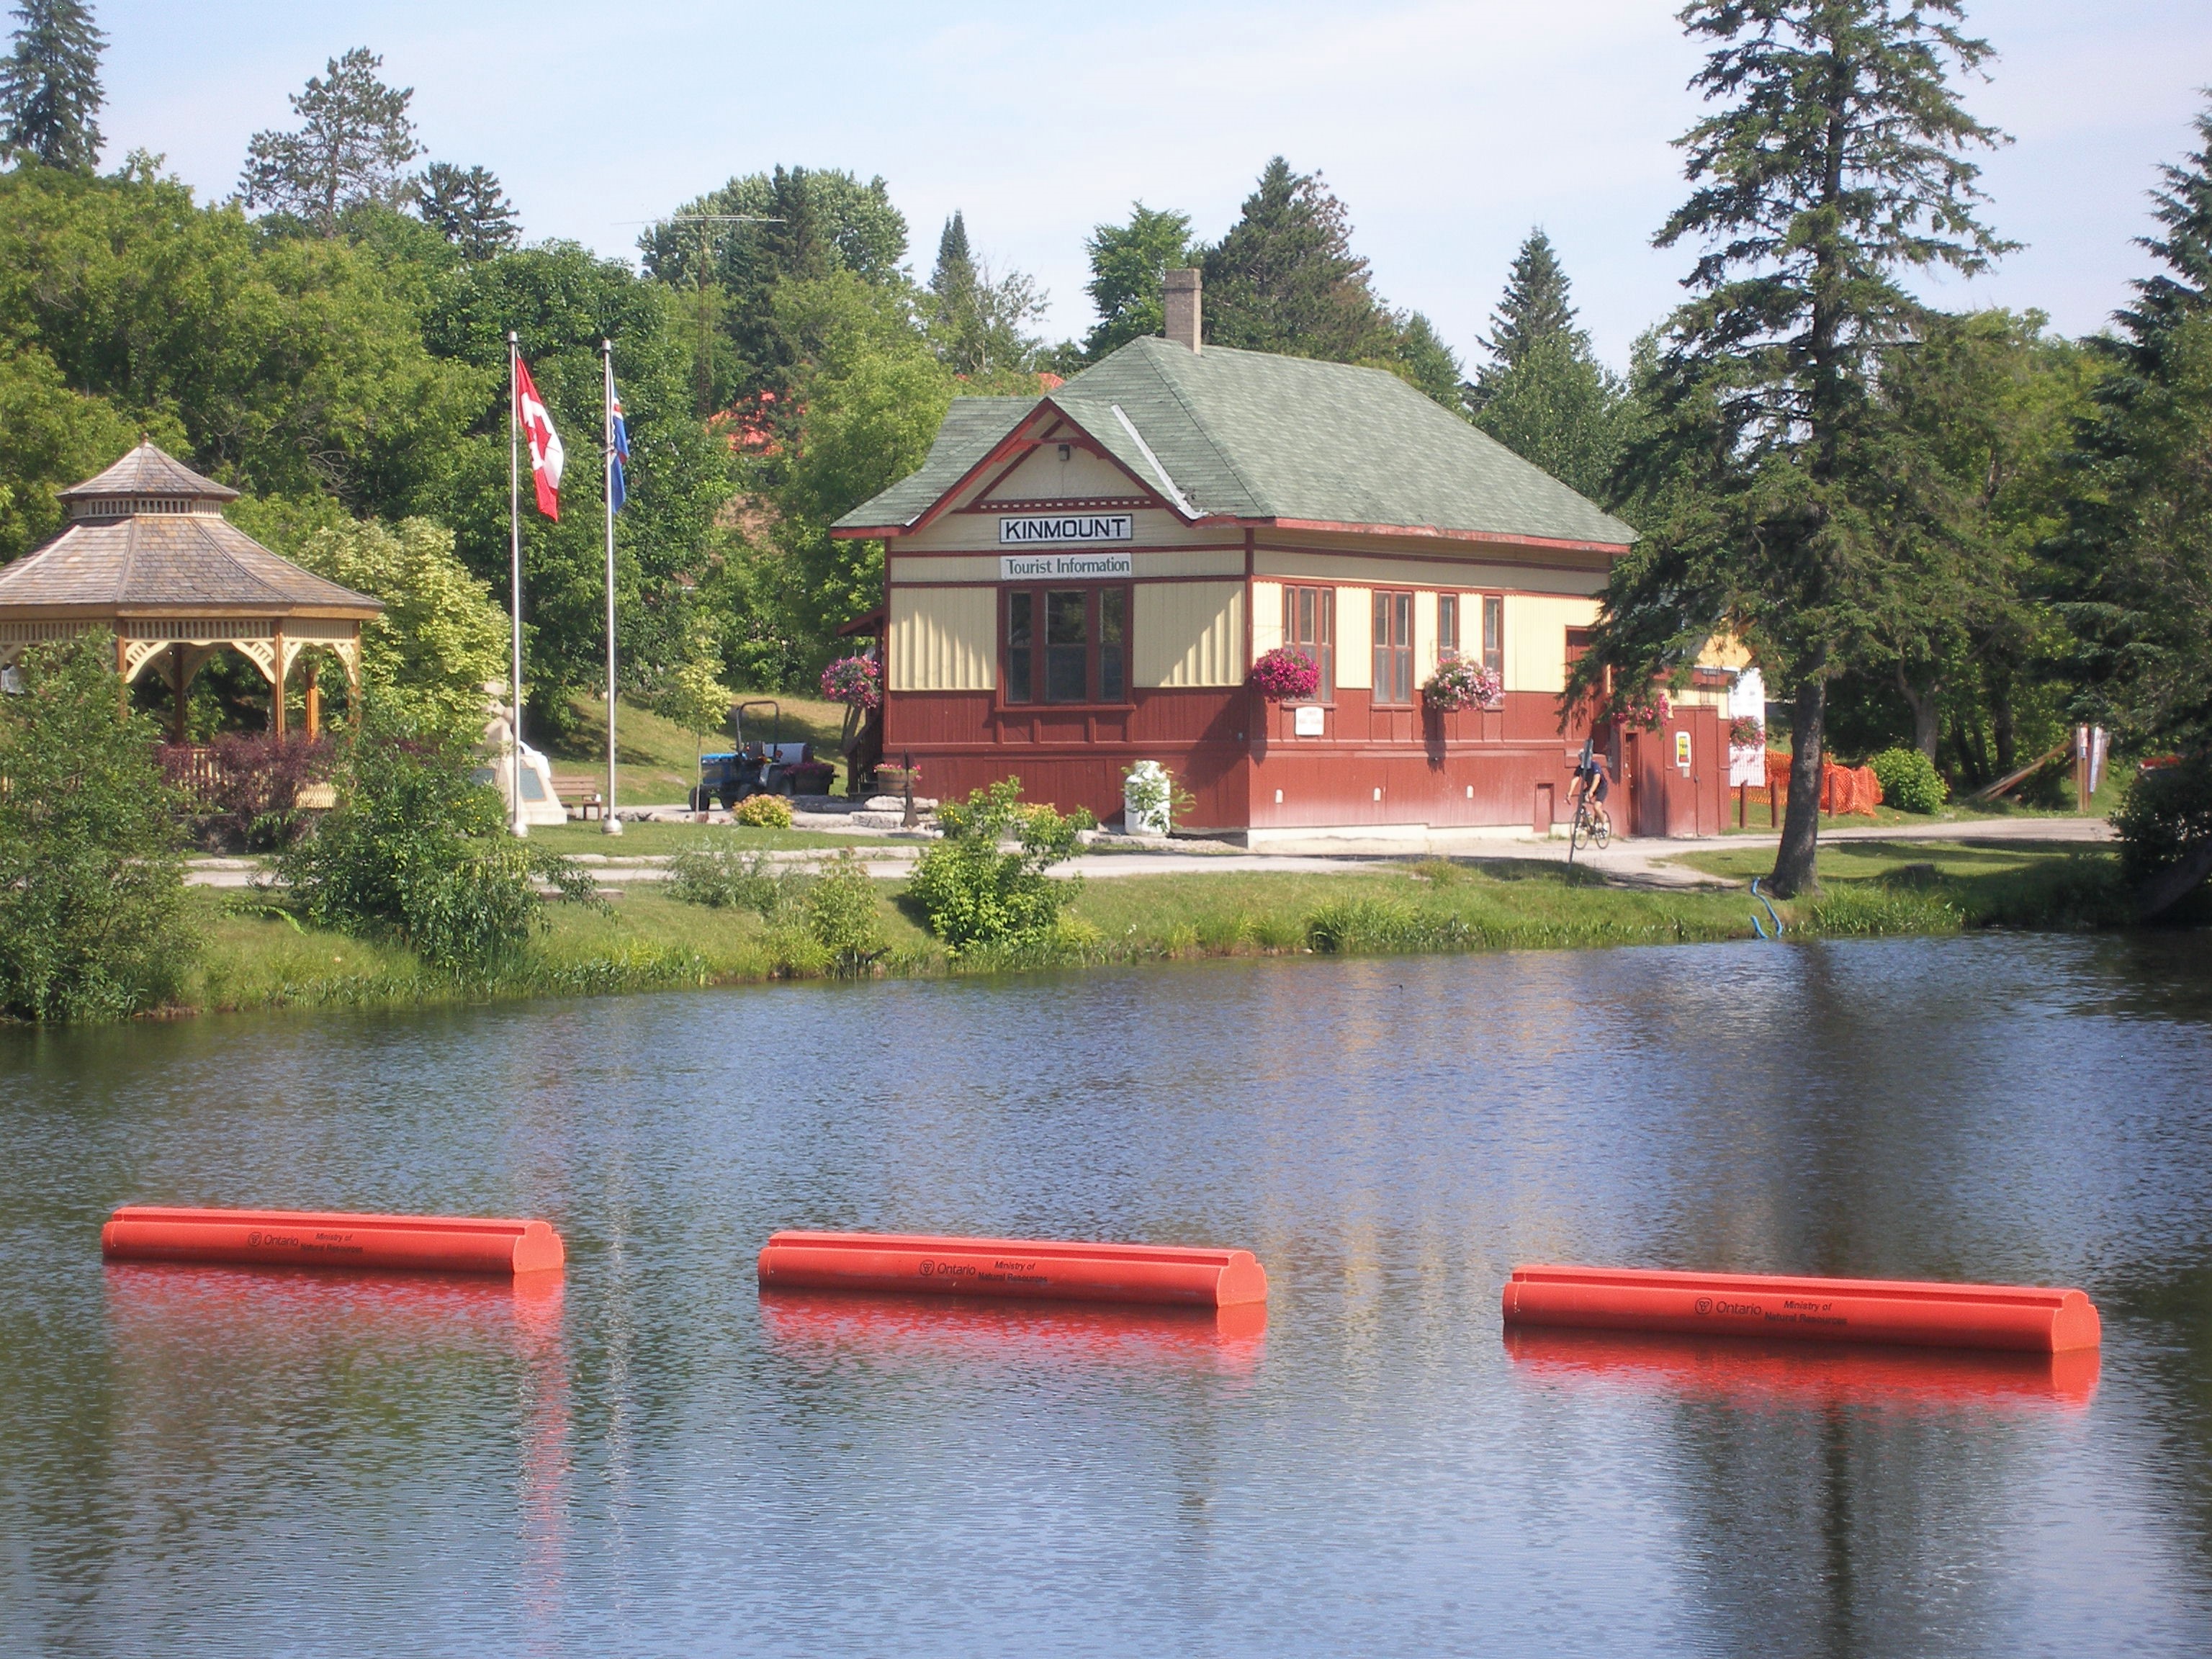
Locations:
(469, 209)
(49, 86)
(1286, 279)
(1533, 309)
(1835, 162)
(2137, 549)
(354, 140)
(955, 275)
(1543, 394)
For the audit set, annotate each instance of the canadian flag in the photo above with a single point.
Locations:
(546, 451)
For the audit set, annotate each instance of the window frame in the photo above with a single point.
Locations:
(1399, 602)
(1448, 603)
(1324, 643)
(1492, 654)
(1095, 646)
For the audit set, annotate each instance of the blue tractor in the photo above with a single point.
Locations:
(768, 766)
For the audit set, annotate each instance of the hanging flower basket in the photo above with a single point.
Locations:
(1458, 683)
(1651, 714)
(1284, 675)
(1745, 731)
(856, 682)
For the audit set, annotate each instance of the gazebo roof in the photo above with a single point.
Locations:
(148, 537)
(146, 470)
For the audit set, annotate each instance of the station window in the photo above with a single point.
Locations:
(1393, 646)
(1447, 627)
(1067, 645)
(1493, 633)
(1310, 627)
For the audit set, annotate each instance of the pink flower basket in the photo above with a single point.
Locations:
(856, 682)
(1283, 675)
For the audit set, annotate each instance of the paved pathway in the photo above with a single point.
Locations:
(1646, 863)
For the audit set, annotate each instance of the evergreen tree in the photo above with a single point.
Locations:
(49, 86)
(1286, 279)
(954, 279)
(467, 207)
(353, 143)
(1129, 265)
(1543, 394)
(1835, 162)
(2137, 549)
(1534, 310)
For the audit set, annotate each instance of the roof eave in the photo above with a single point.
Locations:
(1510, 537)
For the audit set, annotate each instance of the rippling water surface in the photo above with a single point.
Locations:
(652, 1460)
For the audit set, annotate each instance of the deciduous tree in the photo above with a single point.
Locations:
(1129, 265)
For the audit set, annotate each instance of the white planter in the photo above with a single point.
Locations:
(1148, 778)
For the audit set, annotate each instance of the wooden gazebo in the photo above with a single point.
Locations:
(147, 556)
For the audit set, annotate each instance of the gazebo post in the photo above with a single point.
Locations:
(122, 679)
(177, 687)
(277, 691)
(313, 696)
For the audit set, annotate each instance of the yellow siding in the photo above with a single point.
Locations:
(1424, 636)
(1314, 566)
(1536, 638)
(983, 568)
(1189, 634)
(1267, 617)
(944, 639)
(1355, 637)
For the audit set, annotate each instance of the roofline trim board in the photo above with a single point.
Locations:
(1182, 502)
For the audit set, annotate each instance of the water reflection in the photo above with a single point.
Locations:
(654, 1458)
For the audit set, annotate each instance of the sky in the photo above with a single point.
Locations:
(1448, 130)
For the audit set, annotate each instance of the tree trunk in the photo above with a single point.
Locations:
(1927, 716)
(2001, 720)
(1796, 862)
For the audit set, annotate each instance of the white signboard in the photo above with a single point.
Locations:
(1064, 567)
(1306, 720)
(1062, 529)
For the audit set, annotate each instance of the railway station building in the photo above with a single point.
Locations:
(1082, 579)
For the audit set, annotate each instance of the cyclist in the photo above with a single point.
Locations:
(1592, 784)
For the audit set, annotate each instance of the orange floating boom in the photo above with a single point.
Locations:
(1013, 1266)
(2027, 1318)
(308, 1238)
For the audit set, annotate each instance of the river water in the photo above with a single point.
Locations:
(651, 1459)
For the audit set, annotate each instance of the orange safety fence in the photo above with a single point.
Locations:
(1844, 790)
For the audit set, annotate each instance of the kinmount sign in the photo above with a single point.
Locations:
(1065, 529)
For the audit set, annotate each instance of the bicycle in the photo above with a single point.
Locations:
(1592, 825)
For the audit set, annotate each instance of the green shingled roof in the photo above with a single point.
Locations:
(1248, 434)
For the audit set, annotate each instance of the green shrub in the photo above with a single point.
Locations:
(721, 877)
(418, 851)
(840, 916)
(764, 813)
(2166, 816)
(1909, 780)
(975, 891)
(92, 923)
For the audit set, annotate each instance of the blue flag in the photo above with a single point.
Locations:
(618, 435)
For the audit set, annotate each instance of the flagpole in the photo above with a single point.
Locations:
(520, 824)
(608, 821)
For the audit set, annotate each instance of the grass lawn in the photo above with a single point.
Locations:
(656, 760)
(2009, 883)
(646, 939)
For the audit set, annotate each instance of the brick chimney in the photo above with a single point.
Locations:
(1181, 308)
